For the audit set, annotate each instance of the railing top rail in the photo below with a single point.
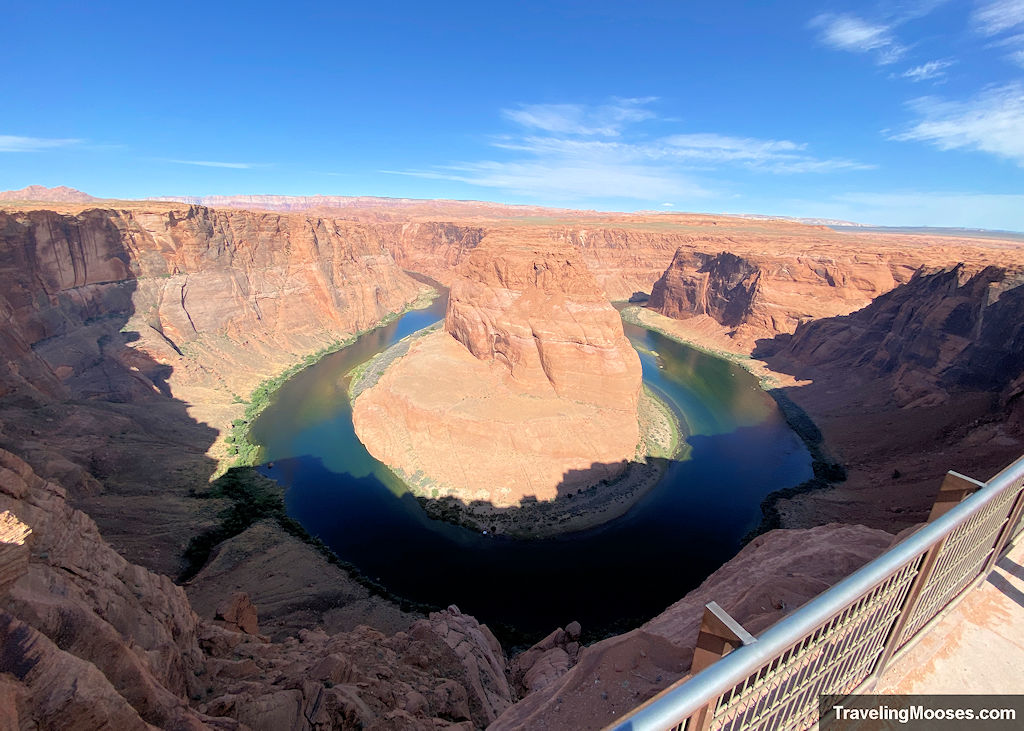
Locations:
(675, 704)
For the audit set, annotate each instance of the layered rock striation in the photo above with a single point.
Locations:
(236, 287)
(750, 296)
(944, 331)
(530, 391)
(131, 335)
(724, 287)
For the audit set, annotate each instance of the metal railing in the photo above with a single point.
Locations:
(843, 639)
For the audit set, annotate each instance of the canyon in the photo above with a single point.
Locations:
(540, 390)
(133, 334)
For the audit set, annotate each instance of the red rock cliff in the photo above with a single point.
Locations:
(941, 332)
(530, 390)
(223, 297)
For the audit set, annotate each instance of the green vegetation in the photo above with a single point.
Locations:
(252, 498)
(365, 375)
(631, 315)
(247, 454)
(661, 433)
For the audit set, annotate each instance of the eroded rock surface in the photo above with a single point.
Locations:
(773, 575)
(757, 295)
(90, 640)
(942, 332)
(530, 391)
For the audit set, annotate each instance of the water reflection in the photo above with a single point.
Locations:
(610, 577)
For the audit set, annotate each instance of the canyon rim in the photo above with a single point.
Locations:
(135, 332)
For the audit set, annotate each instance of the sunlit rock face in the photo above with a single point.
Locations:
(724, 286)
(529, 390)
(760, 295)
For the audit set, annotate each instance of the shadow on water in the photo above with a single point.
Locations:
(611, 577)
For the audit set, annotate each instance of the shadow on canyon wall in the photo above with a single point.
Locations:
(98, 416)
(82, 405)
(926, 378)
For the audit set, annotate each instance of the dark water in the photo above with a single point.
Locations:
(609, 578)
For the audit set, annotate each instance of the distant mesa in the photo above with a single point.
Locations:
(60, 194)
(530, 388)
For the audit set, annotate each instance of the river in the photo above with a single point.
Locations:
(609, 578)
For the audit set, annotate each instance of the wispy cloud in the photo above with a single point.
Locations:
(996, 16)
(778, 156)
(570, 179)
(847, 32)
(218, 164)
(577, 119)
(16, 143)
(990, 122)
(931, 71)
(594, 152)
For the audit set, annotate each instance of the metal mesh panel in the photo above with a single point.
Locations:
(835, 658)
(961, 560)
(1018, 485)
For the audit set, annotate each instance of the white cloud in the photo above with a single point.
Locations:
(15, 143)
(847, 32)
(928, 71)
(590, 152)
(1016, 45)
(569, 180)
(996, 16)
(992, 122)
(778, 156)
(577, 119)
(216, 164)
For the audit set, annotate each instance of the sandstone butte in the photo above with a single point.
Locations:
(129, 331)
(529, 391)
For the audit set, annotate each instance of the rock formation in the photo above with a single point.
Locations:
(725, 287)
(941, 332)
(925, 379)
(756, 295)
(591, 687)
(130, 333)
(157, 320)
(241, 286)
(539, 387)
(89, 640)
(58, 194)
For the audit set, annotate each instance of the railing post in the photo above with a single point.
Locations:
(1006, 532)
(719, 635)
(954, 489)
(931, 557)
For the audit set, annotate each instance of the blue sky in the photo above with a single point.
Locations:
(892, 113)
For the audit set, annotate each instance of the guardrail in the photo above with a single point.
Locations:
(842, 640)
